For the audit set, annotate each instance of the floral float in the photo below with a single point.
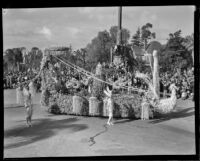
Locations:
(78, 102)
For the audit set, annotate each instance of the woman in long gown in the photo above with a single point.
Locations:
(19, 94)
(32, 89)
(28, 105)
(108, 93)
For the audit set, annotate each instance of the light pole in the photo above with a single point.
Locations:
(116, 56)
(119, 33)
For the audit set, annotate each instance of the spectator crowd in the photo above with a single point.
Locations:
(11, 80)
(184, 81)
(74, 80)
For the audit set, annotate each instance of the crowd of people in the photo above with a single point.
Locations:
(73, 80)
(184, 81)
(12, 80)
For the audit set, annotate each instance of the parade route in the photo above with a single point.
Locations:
(70, 135)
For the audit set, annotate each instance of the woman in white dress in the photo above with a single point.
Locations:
(32, 89)
(28, 105)
(19, 94)
(108, 93)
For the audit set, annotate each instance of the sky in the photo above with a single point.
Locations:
(48, 27)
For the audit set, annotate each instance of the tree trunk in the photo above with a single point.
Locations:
(18, 66)
(111, 55)
(156, 83)
(84, 61)
(193, 56)
(13, 68)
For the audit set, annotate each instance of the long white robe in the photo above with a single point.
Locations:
(109, 102)
(32, 89)
(19, 95)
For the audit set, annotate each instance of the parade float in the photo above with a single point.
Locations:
(66, 99)
(82, 103)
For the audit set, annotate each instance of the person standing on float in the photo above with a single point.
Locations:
(108, 93)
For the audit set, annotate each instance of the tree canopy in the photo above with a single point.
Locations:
(176, 52)
(143, 35)
(125, 35)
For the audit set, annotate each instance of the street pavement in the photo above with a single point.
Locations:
(70, 135)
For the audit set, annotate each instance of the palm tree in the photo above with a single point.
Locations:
(189, 44)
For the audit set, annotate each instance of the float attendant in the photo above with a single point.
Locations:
(28, 105)
(108, 93)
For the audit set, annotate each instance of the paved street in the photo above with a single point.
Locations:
(69, 135)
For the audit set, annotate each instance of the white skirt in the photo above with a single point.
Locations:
(110, 107)
(29, 111)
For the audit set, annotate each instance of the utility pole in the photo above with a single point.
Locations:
(119, 34)
(116, 58)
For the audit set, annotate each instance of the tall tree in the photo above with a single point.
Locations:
(175, 41)
(136, 38)
(125, 35)
(34, 58)
(18, 56)
(10, 59)
(37, 56)
(81, 54)
(175, 53)
(188, 43)
(99, 48)
(147, 34)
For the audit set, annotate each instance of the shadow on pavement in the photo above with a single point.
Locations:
(173, 115)
(13, 106)
(42, 129)
(99, 133)
(120, 121)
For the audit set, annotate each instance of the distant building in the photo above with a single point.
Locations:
(56, 50)
(140, 54)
